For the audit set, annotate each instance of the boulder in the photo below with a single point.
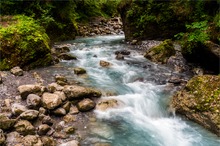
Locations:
(106, 104)
(51, 101)
(199, 101)
(29, 115)
(104, 63)
(43, 129)
(17, 109)
(161, 53)
(5, 122)
(54, 87)
(2, 137)
(32, 140)
(79, 70)
(33, 101)
(70, 143)
(17, 71)
(24, 127)
(59, 111)
(25, 90)
(48, 141)
(86, 105)
(78, 92)
(66, 56)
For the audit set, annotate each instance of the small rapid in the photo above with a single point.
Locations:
(142, 119)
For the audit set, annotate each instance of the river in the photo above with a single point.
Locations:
(143, 119)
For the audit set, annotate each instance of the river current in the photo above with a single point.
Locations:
(140, 86)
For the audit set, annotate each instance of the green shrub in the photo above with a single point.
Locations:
(23, 43)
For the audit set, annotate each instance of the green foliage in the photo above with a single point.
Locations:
(23, 42)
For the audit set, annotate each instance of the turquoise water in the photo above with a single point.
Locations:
(143, 118)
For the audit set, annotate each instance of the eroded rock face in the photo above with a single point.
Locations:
(25, 90)
(200, 101)
(161, 53)
(86, 105)
(51, 101)
(79, 92)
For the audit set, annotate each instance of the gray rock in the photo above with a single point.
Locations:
(5, 122)
(59, 112)
(25, 90)
(24, 127)
(70, 143)
(51, 101)
(33, 101)
(86, 105)
(2, 137)
(48, 141)
(79, 70)
(17, 109)
(32, 140)
(43, 129)
(78, 92)
(29, 115)
(13, 138)
(17, 71)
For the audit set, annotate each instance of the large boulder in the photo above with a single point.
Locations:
(24, 127)
(78, 92)
(200, 101)
(86, 105)
(161, 53)
(5, 122)
(51, 101)
(25, 90)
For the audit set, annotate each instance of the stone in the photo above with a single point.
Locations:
(33, 101)
(25, 90)
(60, 78)
(86, 105)
(123, 52)
(103, 63)
(54, 87)
(61, 95)
(43, 129)
(13, 138)
(32, 140)
(70, 143)
(106, 104)
(73, 110)
(47, 120)
(79, 70)
(2, 137)
(78, 92)
(5, 122)
(17, 71)
(51, 101)
(69, 130)
(24, 127)
(59, 111)
(119, 57)
(17, 109)
(66, 56)
(29, 115)
(69, 118)
(48, 141)
(199, 101)
(67, 106)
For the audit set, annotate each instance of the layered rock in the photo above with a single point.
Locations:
(200, 101)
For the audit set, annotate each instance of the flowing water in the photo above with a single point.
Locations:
(140, 86)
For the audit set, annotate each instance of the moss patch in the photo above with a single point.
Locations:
(161, 53)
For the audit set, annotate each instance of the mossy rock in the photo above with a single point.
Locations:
(24, 43)
(161, 53)
(200, 101)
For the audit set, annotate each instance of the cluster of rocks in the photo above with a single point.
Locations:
(101, 26)
(31, 119)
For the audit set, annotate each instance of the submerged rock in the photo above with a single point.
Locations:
(161, 53)
(200, 101)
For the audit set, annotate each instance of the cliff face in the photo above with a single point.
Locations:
(199, 101)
